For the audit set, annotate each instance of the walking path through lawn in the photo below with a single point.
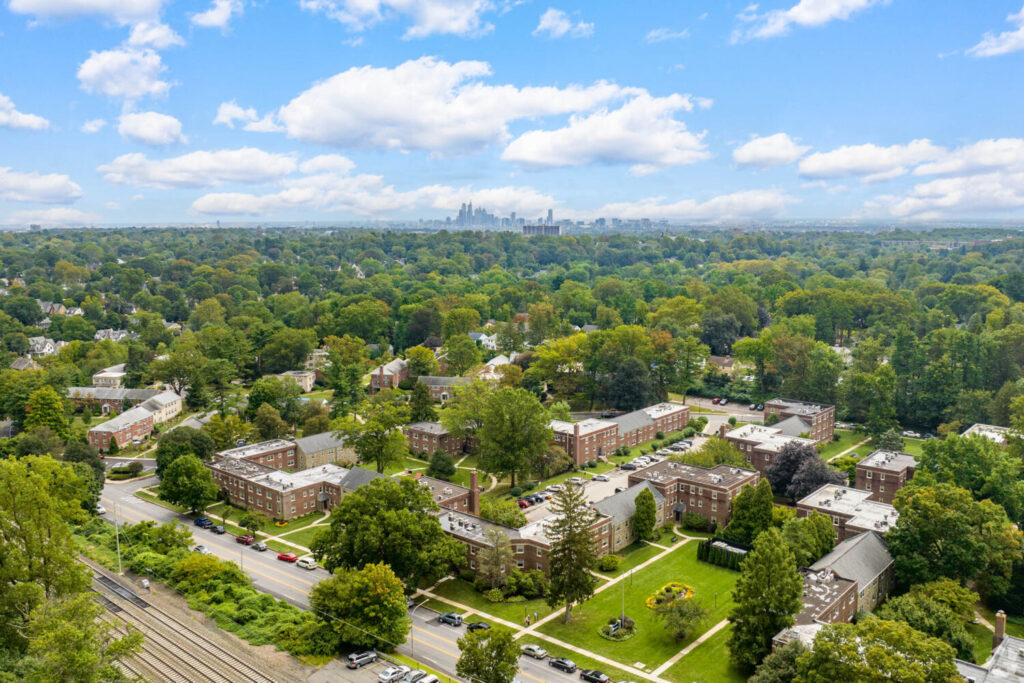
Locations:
(851, 448)
(689, 648)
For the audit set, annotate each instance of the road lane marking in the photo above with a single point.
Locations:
(435, 647)
(435, 635)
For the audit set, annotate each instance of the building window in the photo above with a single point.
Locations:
(519, 550)
(714, 507)
(869, 475)
(882, 476)
(519, 563)
(868, 485)
(540, 553)
(881, 489)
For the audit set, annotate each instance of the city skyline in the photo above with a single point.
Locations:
(336, 111)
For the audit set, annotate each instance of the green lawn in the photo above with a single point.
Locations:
(633, 555)
(982, 638)
(1012, 628)
(463, 592)
(913, 446)
(652, 645)
(707, 663)
(302, 537)
(581, 661)
(847, 439)
(152, 498)
(405, 464)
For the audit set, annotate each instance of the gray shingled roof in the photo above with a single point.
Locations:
(622, 505)
(319, 442)
(630, 422)
(111, 394)
(793, 426)
(860, 558)
(358, 476)
(443, 381)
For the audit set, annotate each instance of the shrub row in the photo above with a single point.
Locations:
(718, 555)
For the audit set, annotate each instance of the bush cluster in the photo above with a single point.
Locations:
(519, 586)
(717, 555)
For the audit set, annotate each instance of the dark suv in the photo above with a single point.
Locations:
(203, 522)
(451, 618)
(594, 676)
(219, 529)
(563, 664)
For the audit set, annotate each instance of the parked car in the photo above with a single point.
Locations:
(910, 434)
(478, 626)
(414, 676)
(451, 618)
(929, 435)
(358, 660)
(563, 664)
(392, 674)
(429, 678)
(627, 466)
(245, 539)
(100, 510)
(555, 488)
(601, 477)
(259, 545)
(607, 414)
(760, 406)
(536, 498)
(202, 522)
(201, 549)
(218, 529)
(655, 458)
(535, 651)
(716, 401)
(593, 676)
(522, 503)
(287, 557)
(723, 402)
(307, 562)
(752, 407)
(576, 480)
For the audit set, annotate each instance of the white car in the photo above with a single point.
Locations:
(307, 562)
(392, 673)
(576, 480)
(201, 549)
(100, 510)
(555, 488)
(601, 477)
(910, 434)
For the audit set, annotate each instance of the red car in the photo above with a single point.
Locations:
(522, 503)
(287, 557)
(246, 539)
(716, 401)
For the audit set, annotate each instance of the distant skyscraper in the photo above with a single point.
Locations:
(551, 216)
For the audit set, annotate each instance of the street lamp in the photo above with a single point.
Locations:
(412, 636)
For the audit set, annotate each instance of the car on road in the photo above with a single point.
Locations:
(760, 406)
(716, 401)
(478, 626)
(201, 549)
(259, 545)
(100, 510)
(358, 660)
(392, 674)
(593, 676)
(218, 529)
(627, 466)
(724, 402)
(563, 664)
(287, 557)
(245, 539)
(535, 651)
(752, 407)
(202, 522)
(414, 676)
(607, 414)
(450, 618)
(620, 489)
(601, 477)
(307, 562)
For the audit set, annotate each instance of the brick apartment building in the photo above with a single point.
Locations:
(708, 492)
(591, 439)
(389, 375)
(306, 379)
(883, 473)
(819, 418)
(278, 454)
(108, 399)
(851, 510)
(323, 449)
(428, 437)
(760, 444)
(441, 387)
(621, 507)
(280, 495)
(452, 496)
(125, 428)
(531, 547)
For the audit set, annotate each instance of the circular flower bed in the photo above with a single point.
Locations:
(670, 592)
(627, 629)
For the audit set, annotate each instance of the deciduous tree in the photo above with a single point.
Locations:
(488, 656)
(188, 482)
(377, 437)
(751, 513)
(45, 408)
(494, 560)
(515, 431)
(365, 607)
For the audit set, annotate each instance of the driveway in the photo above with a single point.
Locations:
(594, 490)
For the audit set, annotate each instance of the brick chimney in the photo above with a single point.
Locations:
(1000, 631)
(474, 494)
(722, 429)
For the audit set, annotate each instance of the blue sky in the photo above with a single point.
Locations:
(153, 111)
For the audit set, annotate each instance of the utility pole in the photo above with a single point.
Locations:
(117, 536)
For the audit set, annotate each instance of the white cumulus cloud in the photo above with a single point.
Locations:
(49, 188)
(747, 204)
(93, 126)
(154, 34)
(330, 163)
(642, 132)
(150, 128)
(869, 162)
(428, 17)
(660, 35)
(219, 14)
(230, 112)
(983, 194)
(55, 216)
(770, 150)
(805, 13)
(12, 118)
(978, 157)
(428, 104)
(130, 73)
(555, 23)
(122, 11)
(199, 169)
(993, 45)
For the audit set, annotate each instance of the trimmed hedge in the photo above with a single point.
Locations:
(726, 557)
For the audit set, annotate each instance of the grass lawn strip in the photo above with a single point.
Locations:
(707, 663)
(982, 638)
(632, 555)
(463, 593)
(303, 537)
(847, 439)
(653, 645)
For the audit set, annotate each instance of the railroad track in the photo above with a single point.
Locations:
(174, 649)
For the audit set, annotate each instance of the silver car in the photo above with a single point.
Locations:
(392, 673)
